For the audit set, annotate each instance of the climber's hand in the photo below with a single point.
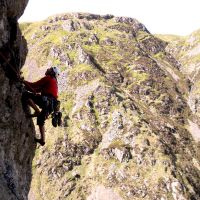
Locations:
(21, 79)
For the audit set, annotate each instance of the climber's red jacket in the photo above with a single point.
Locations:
(47, 86)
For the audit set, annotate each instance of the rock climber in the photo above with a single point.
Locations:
(42, 93)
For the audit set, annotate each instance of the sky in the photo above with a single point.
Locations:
(178, 17)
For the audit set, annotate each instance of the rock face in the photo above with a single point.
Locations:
(126, 130)
(101, 193)
(187, 51)
(16, 138)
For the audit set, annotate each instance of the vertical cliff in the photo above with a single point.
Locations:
(16, 131)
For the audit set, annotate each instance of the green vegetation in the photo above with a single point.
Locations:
(55, 37)
(84, 152)
(28, 29)
(67, 104)
(171, 38)
(24, 26)
(142, 35)
(138, 77)
(73, 55)
(93, 49)
(117, 144)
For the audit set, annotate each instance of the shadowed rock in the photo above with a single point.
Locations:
(17, 133)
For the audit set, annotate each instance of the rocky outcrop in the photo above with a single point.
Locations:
(102, 193)
(16, 139)
(126, 130)
(186, 51)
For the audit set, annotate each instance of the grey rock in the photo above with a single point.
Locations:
(69, 47)
(69, 188)
(86, 25)
(123, 155)
(34, 36)
(146, 142)
(107, 41)
(102, 193)
(17, 132)
(177, 190)
(55, 52)
(64, 58)
(108, 16)
(83, 57)
(117, 120)
(68, 26)
(124, 20)
(92, 17)
(45, 28)
(94, 39)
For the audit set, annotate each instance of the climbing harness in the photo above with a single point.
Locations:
(50, 105)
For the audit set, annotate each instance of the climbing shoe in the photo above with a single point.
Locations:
(40, 141)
